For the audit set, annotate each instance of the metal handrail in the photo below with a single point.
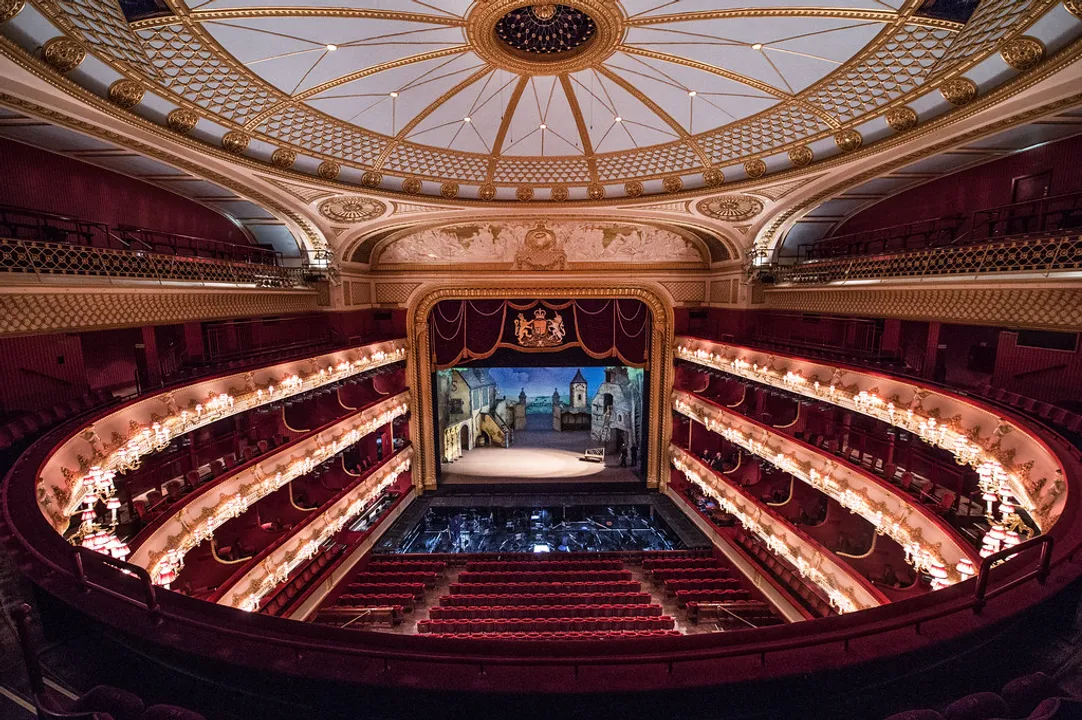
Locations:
(981, 593)
(150, 592)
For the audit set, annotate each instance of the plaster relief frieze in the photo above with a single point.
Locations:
(517, 243)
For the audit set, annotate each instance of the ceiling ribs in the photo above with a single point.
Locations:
(201, 16)
(580, 123)
(505, 123)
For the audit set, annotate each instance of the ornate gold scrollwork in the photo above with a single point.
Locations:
(848, 140)
(371, 179)
(902, 118)
(235, 142)
(672, 184)
(63, 54)
(449, 190)
(411, 186)
(801, 156)
(10, 8)
(524, 193)
(633, 188)
(1023, 53)
(182, 121)
(486, 191)
(283, 158)
(328, 170)
(755, 168)
(713, 177)
(958, 91)
(559, 193)
(126, 93)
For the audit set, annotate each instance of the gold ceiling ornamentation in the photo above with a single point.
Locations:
(958, 91)
(486, 191)
(481, 34)
(371, 179)
(755, 168)
(543, 12)
(559, 193)
(449, 190)
(351, 208)
(126, 93)
(63, 54)
(672, 184)
(801, 156)
(182, 121)
(633, 188)
(283, 158)
(595, 191)
(1023, 52)
(328, 170)
(411, 186)
(902, 118)
(10, 8)
(730, 208)
(848, 140)
(1074, 7)
(713, 177)
(235, 142)
(524, 193)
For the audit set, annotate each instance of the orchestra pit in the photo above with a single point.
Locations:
(606, 359)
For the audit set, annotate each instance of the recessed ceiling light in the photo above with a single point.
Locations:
(542, 126)
(757, 46)
(692, 93)
(394, 94)
(331, 48)
(466, 119)
(617, 119)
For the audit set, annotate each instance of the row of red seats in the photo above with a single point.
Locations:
(787, 575)
(356, 615)
(428, 579)
(519, 565)
(587, 635)
(674, 563)
(545, 576)
(405, 566)
(545, 624)
(638, 598)
(416, 590)
(683, 597)
(690, 574)
(406, 601)
(632, 556)
(673, 586)
(516, 588)
(298, 583)
(543, 611)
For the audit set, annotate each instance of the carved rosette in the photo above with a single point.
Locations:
(181, 121)
(126, 93)
(672, 184)
(10, 8)
(902, 118)
(755, 168)
(801, 156)
(730, 208)
(633, 188)
(449, 190)
(351, 209)
(283, 158)
(1074, 7)
(958, 91)
(328, 170)
(411, 186)
(713, 177)
(595, 191)
(848, 140)
(235, 142)
(486, 191)
(371, 179)
(559, 193)
(1023, 52)
(524, 193)
(63, 54)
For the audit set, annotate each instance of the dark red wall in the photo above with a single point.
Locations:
(985, 186)
(40, 180)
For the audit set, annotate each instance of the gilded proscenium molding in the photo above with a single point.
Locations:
(1048, 306)
(420, 362)
(118, 440)
(231, 496)
(976, 434)
(847, 590)
(305, 541)
(35, 310)
(928, 542)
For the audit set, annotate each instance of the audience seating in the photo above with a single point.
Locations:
(543, 611)
(406, 602)
(341, 615)
(577, 635)
(511, 588)
(525, 576)
(544, 565)
(638, 598)
(417, 590)
(428, 579)
(1036, 696)
(548, 624)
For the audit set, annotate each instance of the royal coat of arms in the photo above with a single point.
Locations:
(541, 331)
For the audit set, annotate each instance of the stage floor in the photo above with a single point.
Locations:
(539, 454)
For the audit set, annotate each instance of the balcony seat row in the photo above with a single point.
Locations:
(544, 576)
(543, 611)
(428, 579)
(302, 580)
(786, 574)
(584, 635)
(636, 598)
(678, 563)
(544, 565)
(712, 573)
(416, 590)
(406, 602)
(406, 566)
(514, 588)
(674, 586)
(487, 625)
(683, 597)
(32, 425)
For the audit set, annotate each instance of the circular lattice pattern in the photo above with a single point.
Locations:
(351, 209)
(731, 208)
(546, 29)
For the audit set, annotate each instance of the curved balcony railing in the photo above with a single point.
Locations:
(846, 589)
(930, 544)
(1043, 254)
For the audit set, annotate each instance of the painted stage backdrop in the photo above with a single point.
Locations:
(479, 407)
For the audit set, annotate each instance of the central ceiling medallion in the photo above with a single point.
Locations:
(545, 38)
(552, 30)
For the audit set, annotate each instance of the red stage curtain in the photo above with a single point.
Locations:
(462, 330)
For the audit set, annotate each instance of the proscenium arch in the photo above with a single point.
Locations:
(660, 362)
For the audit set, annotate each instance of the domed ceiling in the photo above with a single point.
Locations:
(589, 98)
